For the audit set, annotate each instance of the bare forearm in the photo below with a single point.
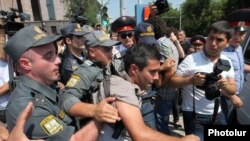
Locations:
(179, 82)
(247, 68)
(81, 109)
(179, 49)
(149, 134)
(4, 88)
(230, 89)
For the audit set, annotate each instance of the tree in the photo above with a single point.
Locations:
(172, 17)
(85, 8)
(199, 14)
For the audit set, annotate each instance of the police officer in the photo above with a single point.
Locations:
(124, 26)
(74, 54)
(38, 64)
(85, 80)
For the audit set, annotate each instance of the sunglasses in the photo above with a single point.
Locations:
(125, 35)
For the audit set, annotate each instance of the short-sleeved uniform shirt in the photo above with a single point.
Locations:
(236, 56)
(47, 121)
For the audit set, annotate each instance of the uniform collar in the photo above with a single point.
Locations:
(39, 88)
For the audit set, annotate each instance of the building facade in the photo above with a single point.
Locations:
(47, 14)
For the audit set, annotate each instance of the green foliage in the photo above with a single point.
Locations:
(172, 17)
(199, 14)
(85, 8)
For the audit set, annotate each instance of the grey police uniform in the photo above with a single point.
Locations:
(47, 121)
(82, 82)
(86, 78)
(70, 62)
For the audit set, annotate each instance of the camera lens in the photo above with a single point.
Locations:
(212, 92)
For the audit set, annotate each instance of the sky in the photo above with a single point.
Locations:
(114, 6)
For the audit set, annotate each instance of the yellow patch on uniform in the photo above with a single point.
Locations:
(51, 125)
(61, 114)
(73, 80)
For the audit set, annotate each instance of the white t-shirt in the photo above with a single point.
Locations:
(193, 63)
(4, 78)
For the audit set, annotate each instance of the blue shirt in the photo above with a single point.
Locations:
(236, 56)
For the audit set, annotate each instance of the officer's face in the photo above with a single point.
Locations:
(216, 42)
(148, 75)
(239, 37)
(78, 42)
(44, 64)
(101, 54)
(126, 38)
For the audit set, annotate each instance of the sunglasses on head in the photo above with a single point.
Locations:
(125, 35)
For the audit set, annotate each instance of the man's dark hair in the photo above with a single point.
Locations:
(222, 27)
(139, 55)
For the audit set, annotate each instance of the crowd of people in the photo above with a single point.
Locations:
(84, 84)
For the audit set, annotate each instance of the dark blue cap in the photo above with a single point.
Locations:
(72, 29)
(144, 32)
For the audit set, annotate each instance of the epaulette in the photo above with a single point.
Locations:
(38, 99)
(120, 55)
(88, 63)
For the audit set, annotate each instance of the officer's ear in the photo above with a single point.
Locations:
(25, 63)
(91, 51)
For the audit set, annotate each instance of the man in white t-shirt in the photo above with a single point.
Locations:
(4, 87)
(198, 110)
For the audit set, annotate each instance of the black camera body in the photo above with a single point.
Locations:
(162, 6)
(210, 87)
(79, 19)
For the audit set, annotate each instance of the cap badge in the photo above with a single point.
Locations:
(104, 36)
(149, 29)
(124, 18)
(40, 34)
(78, 28)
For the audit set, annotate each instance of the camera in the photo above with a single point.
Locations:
(79, 19)
(211, 89)
(162, 6)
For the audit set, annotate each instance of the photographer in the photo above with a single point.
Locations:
(199, 109)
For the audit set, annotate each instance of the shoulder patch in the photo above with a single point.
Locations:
(51, 125)
(73, 80)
